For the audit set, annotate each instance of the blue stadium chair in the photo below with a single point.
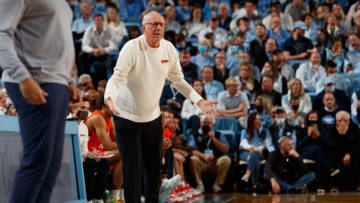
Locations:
(230, 128)
(296, 63)
(129, 24)
(107, 64)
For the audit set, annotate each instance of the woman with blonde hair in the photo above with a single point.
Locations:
(339, 14)
(321, 12)
(296, 90)
(171, 23)
(118, 27)
(246, 80)
(264, 108)
(353, 24)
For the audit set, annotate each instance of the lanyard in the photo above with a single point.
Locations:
(174, 92)
(208, 143)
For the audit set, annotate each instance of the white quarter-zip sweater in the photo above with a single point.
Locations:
(139, 77)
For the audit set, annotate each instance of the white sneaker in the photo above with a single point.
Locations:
(167, 186)
(216, 188)
(98, 201)
(122, 194)
(245, 178)
(142, 198)
(90, 201)
(200, 187)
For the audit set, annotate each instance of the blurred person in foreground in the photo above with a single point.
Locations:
(37, 78)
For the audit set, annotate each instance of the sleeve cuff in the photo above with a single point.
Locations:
(22, 76)
(195, 97)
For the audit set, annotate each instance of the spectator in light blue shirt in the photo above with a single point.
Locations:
(311, 31)
(79, 25)
(276, 31)
(211, 86)
(75, 7)
(211, 7)
(183, 11)
(235, 47)
(250, 31)
(202, 58)
(100, 7)
(244, 26)
(131, 10)
(353, 55)
(263, 7)
(332, 77)
(253, 142)
(337, 54)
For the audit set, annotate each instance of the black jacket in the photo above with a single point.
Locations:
(339, 145)
(288, 169)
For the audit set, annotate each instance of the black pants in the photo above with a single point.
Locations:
(96, 176)
(140, 147)
(86, 59)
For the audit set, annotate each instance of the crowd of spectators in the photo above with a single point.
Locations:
(287, 72)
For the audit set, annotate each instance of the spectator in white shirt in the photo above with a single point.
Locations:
(287, 22)
(171, 23)
(296, 90)
(191, 109)
(196, 22)
(118, 27)
(220, 33)
(233, 102)
(97, 43)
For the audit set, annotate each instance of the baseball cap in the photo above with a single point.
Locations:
(300, 25)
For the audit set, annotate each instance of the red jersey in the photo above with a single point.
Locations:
(94, 142)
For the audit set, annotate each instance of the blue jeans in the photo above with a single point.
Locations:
(316, 153)
(302, 181)
(254, 166)
(42, 133)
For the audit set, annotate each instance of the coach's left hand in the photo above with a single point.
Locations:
(208, 107)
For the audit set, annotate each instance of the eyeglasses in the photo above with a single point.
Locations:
(155, 24)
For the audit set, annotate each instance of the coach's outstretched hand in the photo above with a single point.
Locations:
(110, 102)
(208, 107)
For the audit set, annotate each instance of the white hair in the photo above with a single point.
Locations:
(282, 140)
(2, 92)
(151, 13)
(84, 76)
